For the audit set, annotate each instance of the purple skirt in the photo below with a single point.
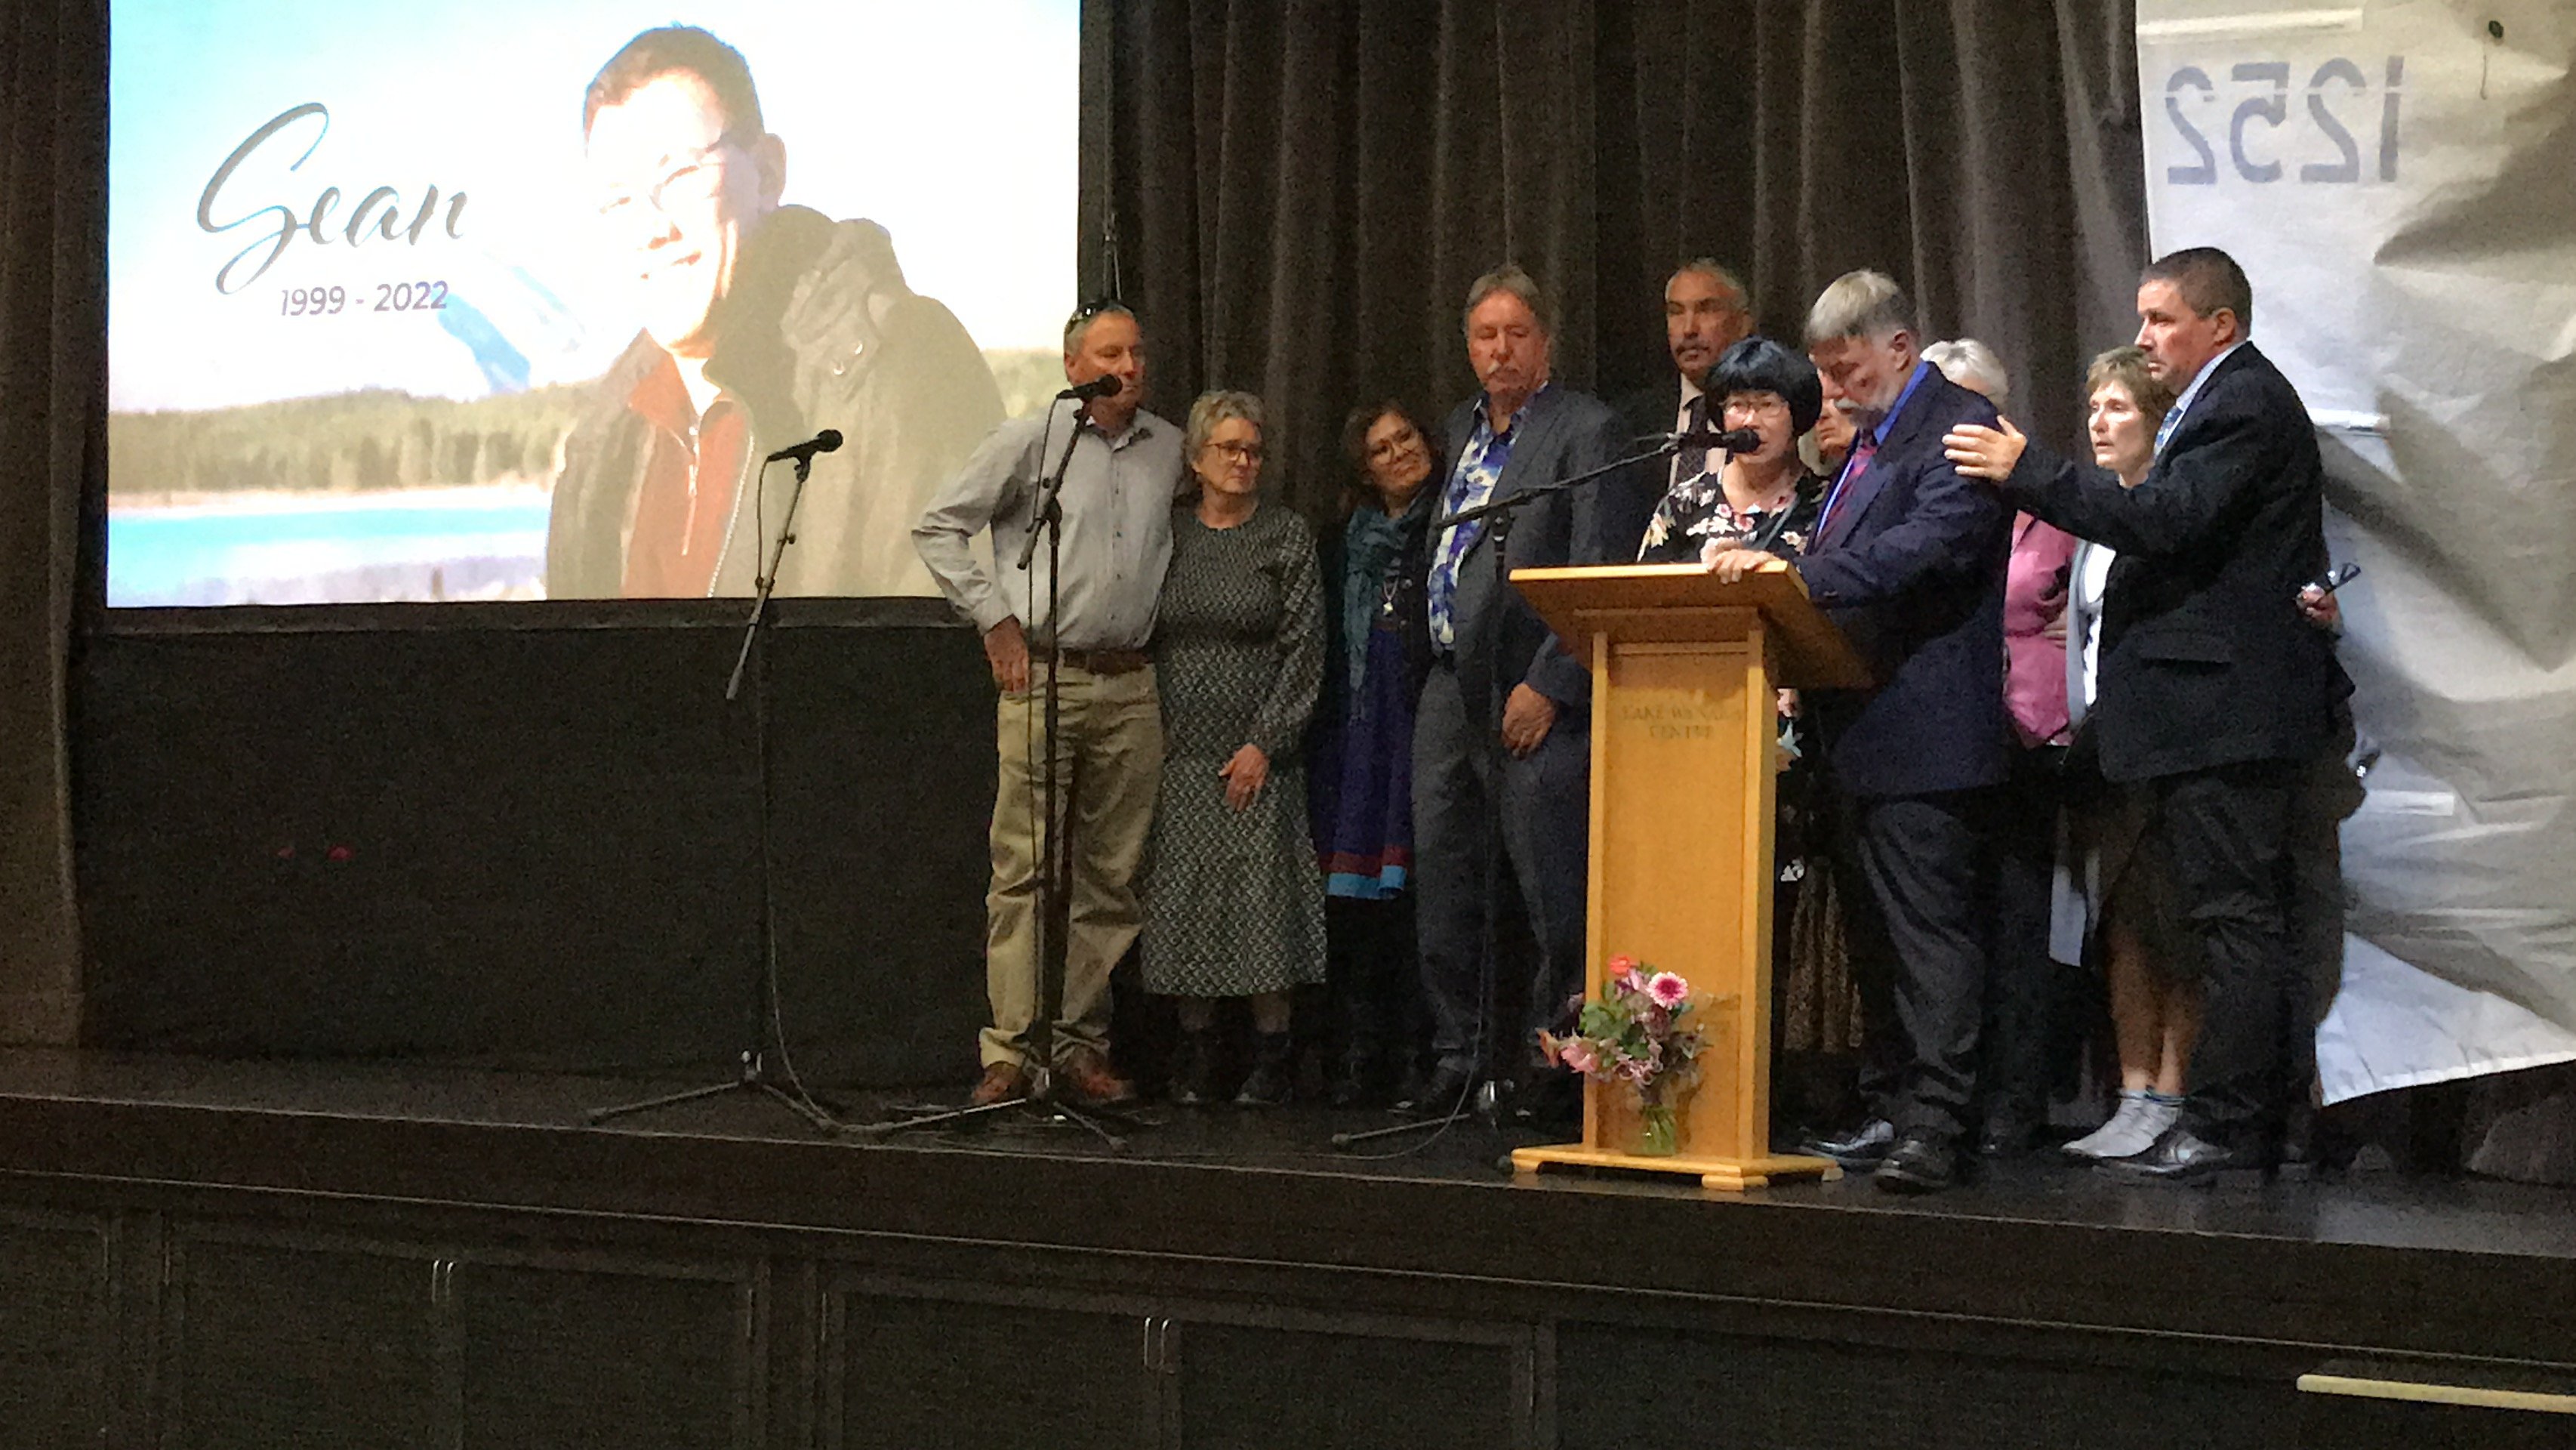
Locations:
(1363, 781)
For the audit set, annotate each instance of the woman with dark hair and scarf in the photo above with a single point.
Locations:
(1361, 777)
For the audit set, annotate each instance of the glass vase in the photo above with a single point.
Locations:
(1658, 1134)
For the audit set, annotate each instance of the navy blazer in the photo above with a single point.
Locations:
(1559, 434)
(1910, 566)
(2206, 660)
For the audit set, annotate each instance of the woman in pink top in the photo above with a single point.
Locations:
(2035, 588)
(2026, 999)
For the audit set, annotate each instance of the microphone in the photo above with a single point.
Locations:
(1732, 440)
(1104, 386)
(823, 442)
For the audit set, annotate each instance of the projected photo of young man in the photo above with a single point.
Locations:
(761, 324)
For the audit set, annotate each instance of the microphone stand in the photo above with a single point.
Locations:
(1502, 510)
(754, 1075)
(1043, 1101)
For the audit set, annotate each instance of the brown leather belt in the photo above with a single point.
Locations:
(1107, 661)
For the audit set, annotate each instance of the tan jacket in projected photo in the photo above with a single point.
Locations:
(820, 332)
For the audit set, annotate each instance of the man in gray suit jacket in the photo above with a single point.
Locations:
(1533, 783)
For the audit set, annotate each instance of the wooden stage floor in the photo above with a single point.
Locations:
(2360, 1209)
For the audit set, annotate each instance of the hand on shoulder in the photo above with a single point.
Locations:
(1978, 451)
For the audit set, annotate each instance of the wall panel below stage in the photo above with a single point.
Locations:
(214, 1319)
(531, 837)
(293, 1272)
(57, 1339)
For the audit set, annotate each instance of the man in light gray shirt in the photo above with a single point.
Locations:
(1117, 508)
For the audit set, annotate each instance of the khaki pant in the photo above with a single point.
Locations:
(1109, 763)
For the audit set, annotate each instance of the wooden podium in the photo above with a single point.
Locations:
(1684, 765)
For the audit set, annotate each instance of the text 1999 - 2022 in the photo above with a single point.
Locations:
(390, 297)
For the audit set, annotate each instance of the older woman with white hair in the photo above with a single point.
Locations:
(2021, 1038)
(1234, 900)
(1974, 366)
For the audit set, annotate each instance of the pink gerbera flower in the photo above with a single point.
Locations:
(1668, 990)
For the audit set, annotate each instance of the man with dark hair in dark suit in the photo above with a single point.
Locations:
(1908, 560)
(1520, 433)
(1706, 311)
(2215, 691)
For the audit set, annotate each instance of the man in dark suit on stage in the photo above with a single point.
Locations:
(2214, 689)
(1706, 311)
(1908, 561)
(1520, 433)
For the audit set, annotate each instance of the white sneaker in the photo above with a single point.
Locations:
(2142, 1118)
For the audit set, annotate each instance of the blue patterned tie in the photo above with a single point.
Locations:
(2165, 429)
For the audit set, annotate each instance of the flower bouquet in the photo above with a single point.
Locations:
(1636, 1035)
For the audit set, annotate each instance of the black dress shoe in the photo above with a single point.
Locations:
(2007, 1133)
(1194, 1069)
(1352, 1083)
(1406, 1080)
(1449, 1087)
(1860, 1149)
(1552, 1101)
(2182, 1156)
(1268, 1085)
(1921, 1162)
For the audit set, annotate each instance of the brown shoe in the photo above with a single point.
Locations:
(1087, 1076)
(1003, 1082)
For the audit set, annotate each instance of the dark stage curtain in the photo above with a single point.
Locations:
(1304, 188)
(53, 431)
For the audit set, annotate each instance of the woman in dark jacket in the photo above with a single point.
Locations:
(1361, 775)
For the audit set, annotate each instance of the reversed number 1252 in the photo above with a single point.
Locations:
(2190, 95)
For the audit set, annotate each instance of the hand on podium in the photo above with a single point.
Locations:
(1734, 564)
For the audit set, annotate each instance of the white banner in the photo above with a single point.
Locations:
(2395, 178)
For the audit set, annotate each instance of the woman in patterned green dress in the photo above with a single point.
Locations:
(1234, 900)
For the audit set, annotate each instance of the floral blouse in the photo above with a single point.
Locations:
(1695, 520)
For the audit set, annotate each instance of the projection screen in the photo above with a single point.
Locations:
(509, 299)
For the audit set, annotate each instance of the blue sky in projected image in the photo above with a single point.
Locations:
(951, 123)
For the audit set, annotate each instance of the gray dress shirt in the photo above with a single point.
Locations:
(1117, 502)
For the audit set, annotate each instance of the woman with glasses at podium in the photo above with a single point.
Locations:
(1761, 499)
(1765, 498)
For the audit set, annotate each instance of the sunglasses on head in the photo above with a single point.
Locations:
(1090, 310)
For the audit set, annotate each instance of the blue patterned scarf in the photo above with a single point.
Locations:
(1371, 543)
